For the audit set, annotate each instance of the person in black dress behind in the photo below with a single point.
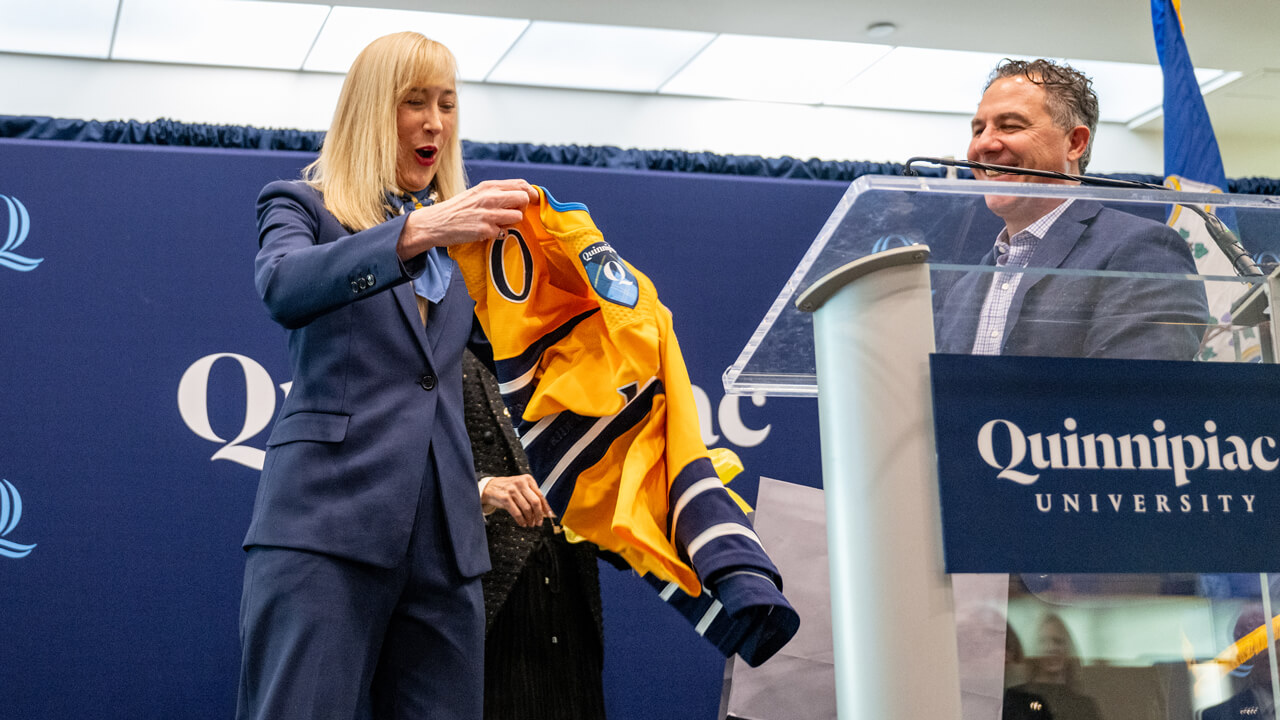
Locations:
(544, 653)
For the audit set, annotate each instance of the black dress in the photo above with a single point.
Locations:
(544, 655)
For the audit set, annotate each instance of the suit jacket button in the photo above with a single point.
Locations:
(355, 287)
(362, 283)
(369, 279)
(428, 382)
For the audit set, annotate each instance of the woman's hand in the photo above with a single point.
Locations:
(519, 496)
(478, 213)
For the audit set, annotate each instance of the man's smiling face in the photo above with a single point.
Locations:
(1013, 126)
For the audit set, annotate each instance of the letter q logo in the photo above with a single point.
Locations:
(14, 234)
(10, 514)
(259, 406)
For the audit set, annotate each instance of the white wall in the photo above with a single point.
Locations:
(1248, 156)
(98, 90)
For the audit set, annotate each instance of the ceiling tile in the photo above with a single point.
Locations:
(77, 28)
(922, 80)
(597, 57)
(476, 42)
(238, 33)
(748, 67)
(1127, 90)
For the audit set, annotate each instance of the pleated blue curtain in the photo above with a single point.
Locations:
(169, 132)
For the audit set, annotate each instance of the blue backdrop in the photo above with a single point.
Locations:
(140, 375)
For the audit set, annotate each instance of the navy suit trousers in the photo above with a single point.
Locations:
(330, 638)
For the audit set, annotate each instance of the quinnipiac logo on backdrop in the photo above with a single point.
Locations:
(14, 234)
(255, 384)
(10, 514)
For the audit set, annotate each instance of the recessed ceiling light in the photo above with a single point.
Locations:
(881, 29)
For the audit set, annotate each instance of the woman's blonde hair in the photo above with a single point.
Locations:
(357, 164)
(1072, 668)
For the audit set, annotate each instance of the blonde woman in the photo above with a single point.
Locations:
(362, 593)
(1055, 673)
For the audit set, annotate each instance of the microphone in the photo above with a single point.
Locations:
(1226, 240)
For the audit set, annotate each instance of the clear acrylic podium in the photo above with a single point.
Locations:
(854, 327)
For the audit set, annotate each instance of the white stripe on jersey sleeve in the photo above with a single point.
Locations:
(518, 383)
(703, 485)
(705, 622)
(719, 531)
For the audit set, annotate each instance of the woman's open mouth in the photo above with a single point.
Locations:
(426, 154)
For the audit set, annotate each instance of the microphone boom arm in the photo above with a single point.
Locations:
(1227, 242)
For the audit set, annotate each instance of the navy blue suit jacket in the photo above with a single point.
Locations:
(375, 409)
(1073, 316)
(1241, 705)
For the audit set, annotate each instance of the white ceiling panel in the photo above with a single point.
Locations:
(78, 28)
(476, 42)
(597, 57)
(1127, 90)
(750, 67)
(922, 80)
(547, 52)
(238, 33)
(925, 80)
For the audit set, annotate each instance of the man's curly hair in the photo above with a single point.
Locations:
(1069, 96)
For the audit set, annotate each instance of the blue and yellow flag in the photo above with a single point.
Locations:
(1193, 163)
(1190, 148)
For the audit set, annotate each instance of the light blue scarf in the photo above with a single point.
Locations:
(434, 281)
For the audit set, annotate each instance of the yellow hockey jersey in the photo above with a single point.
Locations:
(590, 368)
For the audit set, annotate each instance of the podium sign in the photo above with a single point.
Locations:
(1053, 465)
